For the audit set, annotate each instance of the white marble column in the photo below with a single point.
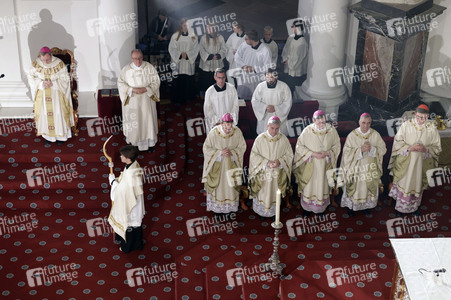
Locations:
(327, 32)
(117, 28)
(13, 89)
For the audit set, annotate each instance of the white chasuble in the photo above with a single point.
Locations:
(310, 172)
(223, 175)
(265, 181)
(362, 170)
(52, 106)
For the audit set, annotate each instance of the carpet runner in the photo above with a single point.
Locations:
(55, 226)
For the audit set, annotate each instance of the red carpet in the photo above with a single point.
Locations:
(80, 261)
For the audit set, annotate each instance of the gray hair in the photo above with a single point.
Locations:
(136, 50)
(220, 71)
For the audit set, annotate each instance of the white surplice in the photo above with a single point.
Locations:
(260, 59)
(233, 42)
(218, 103)
(180, 43)
(295, 54)
(207, 47)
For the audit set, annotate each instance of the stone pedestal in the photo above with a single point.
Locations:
(390, 54)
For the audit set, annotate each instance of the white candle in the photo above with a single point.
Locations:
(278, 208)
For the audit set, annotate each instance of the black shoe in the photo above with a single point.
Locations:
(59, 142)
(417, 212)
(398, 214)
(262, 218)
(151, 150)
(47, 142)
(350, 212)
(306, 213)
(367, 212)
(273, 218)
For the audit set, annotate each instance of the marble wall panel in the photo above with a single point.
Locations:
(378, 52)
(411, 64)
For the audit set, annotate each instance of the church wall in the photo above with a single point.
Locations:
(67, 25)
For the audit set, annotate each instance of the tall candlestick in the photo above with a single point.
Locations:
(278, 208)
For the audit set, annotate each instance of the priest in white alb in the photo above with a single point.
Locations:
(223, 151)
(138, 86)
(252, 60)
(127, 198)
(416, 149)
(52, 103)
(361, 164)
(271, 98)
(220, 98)
(269, 168)
(316, 152)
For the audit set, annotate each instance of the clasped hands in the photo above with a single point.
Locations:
(226, 152)
(320, 155)
(47, 83)
(417, 148)
(139, 91)
(270, 108)
(273, 164)
(366, 147)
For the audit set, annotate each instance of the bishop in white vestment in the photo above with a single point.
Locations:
(416, 150)
(361, 164)
(52, 103)
(223, 151)
(317, 151)
(269, 168)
